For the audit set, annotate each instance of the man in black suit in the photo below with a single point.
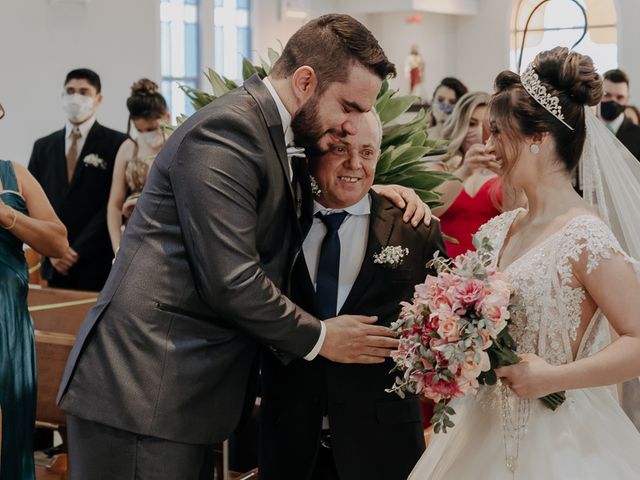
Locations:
(614, 101)
(74, 166)
(323, 420)
(165, 363)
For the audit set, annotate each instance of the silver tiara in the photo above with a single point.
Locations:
(534, 87)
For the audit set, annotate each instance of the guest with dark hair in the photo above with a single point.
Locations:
(74, 166)
(612, 110)
(147, 112)
(445, 96)
(25, 217)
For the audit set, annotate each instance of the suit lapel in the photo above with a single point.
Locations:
(59, 164)
(256, 88)
(380, 228)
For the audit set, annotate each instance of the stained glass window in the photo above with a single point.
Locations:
(561, 23)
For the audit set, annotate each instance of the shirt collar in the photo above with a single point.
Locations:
(285, 116)
(362, 207)
(84, 127)
(615, 124)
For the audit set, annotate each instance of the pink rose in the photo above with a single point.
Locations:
(448, 328)
(469, 292)
(445, 389)
(466, 386)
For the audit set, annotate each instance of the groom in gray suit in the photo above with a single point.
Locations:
(165, 362)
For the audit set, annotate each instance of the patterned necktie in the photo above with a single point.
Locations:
(329, 266)
(72, 154)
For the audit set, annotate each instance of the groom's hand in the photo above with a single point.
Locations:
(353, 339)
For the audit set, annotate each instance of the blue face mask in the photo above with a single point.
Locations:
(444, 107)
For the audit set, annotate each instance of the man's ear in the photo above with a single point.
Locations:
(304, 83)
(98, 99)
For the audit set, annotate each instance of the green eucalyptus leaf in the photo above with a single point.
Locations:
(248, 69)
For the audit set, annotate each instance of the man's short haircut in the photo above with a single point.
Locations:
(330, 44)
(85, 74)
(616, 76)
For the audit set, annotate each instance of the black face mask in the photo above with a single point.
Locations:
(611, 110)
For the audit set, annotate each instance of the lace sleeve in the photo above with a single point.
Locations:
(588, 235)
(495, 229)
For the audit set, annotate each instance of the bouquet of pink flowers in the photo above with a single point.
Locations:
(455, 333)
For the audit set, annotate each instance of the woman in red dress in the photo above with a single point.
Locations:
(479, 195)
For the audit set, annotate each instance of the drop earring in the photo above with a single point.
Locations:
(534, 148)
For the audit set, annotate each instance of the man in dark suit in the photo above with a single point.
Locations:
(164, 364)
(74, 166)
(322, 420)
(614, 101)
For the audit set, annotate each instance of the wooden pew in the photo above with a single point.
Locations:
(57, 316)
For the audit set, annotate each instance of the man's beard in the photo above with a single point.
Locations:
(307, 131)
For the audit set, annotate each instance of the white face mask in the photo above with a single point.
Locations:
(154, 138)
(78, 107)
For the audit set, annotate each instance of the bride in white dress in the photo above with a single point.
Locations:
(575, 283)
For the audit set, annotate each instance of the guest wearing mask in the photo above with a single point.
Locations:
(612, 108)
(74, 166)
(147, 111)
(479, 196)
(445, 96)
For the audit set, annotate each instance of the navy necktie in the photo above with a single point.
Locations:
(329, 266)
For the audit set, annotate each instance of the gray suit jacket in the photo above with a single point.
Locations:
(170, 347)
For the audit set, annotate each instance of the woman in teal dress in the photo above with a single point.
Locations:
(26, 216)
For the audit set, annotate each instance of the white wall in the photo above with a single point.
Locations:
(628, 43)
(271, 27)
(41, 42)
(435, 37)
(483, 44)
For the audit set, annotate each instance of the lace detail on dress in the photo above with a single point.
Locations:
(542, 277)
(496, 228)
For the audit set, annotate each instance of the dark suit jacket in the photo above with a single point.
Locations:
(629, 135)
(81, 204)
(170, 347)
(375, 435)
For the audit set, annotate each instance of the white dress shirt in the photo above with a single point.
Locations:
(285, 118)
(615, 124)
(353, 233)
(84, 131)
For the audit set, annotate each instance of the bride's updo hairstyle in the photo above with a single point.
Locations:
(569, 76)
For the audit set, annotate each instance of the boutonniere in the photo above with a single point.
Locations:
(95, 161)
(315, 188)
(391, 257)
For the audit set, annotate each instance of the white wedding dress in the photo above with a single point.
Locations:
(589, 436)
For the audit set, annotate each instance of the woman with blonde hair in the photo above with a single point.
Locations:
(478, 195)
